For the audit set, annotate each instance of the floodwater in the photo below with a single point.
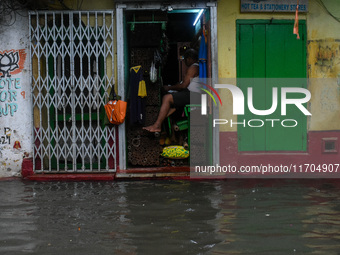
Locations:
(170, 217)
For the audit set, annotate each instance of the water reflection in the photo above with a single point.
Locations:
(173, 218)
(107, 218)
(279, 217)
(170, 217)
(322, 221)
(17, 218)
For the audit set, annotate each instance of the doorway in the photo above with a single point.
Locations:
(169, 31)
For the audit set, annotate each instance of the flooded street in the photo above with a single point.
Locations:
(170, 217)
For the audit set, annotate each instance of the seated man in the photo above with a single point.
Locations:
(182, 97)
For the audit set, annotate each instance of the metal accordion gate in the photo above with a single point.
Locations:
(72, 72)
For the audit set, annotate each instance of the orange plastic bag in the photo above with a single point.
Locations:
(116, 111)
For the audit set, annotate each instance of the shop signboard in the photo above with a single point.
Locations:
(273, 5)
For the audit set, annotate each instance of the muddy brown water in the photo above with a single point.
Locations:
(170, 217)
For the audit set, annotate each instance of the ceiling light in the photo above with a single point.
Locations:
(198, 16)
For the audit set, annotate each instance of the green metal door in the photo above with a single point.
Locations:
(269, 55)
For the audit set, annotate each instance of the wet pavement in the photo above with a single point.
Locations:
(170, 217)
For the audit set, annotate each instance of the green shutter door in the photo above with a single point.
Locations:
(270, 50)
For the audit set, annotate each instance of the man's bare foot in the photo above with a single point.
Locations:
(153, 128)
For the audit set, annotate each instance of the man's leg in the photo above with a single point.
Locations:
(171, 111)
(167, 101)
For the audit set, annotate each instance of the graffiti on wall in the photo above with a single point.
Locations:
(11, 63)
(8, 95)
(5, 136)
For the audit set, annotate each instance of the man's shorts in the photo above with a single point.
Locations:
(182, 98)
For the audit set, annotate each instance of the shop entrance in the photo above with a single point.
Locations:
(72, 64)
(156, 37)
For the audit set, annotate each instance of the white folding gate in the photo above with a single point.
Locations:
(72, 65)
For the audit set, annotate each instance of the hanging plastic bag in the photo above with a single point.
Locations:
(153, 73)
(115, 109)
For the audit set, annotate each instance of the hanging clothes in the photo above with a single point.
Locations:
(296, 22)
(137, 103)
(202, 57)
(142, 89)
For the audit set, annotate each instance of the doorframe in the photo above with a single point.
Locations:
(120, 30)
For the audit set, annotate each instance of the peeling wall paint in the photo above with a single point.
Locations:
(325, 104)
(15, 99)
(324, 58)
(324, 72)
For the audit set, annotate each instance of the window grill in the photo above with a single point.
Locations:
(72, 65)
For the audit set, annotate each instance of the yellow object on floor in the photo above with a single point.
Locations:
(175, 152)
(167, 141)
